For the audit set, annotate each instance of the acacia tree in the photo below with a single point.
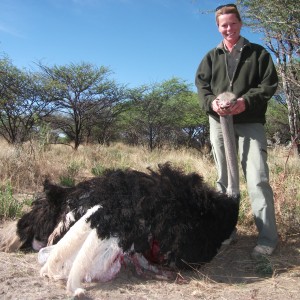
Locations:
(161, 114)
(277, 125)
(278, 21)
(192, 120)
(101, 126)
(83, 91)
(25, 99)
(151, 115)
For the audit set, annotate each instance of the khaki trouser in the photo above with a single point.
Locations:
(252, 147)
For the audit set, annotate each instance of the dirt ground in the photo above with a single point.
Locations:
(230, 275)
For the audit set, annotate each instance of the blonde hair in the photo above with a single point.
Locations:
(227, 10)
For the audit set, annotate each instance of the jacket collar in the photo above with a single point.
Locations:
(242, 42)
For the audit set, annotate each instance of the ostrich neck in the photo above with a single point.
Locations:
(231, 155)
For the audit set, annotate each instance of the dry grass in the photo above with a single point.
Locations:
(27, 166)
(24, 168)
(285, 180)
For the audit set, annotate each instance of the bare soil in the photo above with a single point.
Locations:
(232, 274)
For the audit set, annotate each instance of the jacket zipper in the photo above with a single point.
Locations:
(233, 75)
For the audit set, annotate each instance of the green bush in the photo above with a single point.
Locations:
(98, 170)
(69, 178)
(9, 206)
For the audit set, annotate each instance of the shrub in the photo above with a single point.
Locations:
(9, 206)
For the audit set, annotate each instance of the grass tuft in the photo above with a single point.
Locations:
(9, 206)
(264, 267)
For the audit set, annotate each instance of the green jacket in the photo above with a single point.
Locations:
(255, 79)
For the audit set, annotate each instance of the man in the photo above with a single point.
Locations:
(247, 70)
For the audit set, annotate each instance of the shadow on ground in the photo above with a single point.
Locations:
(234, 265)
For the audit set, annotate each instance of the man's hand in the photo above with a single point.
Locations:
(229, 108)
(238, 107)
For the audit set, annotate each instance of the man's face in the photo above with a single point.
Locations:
(230, 27)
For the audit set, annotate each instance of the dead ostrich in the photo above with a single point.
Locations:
(166, 217)
(157, 219)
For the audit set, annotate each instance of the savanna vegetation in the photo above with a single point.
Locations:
(24, 168)
(70, 122)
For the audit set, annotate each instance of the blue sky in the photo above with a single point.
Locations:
(141, 41)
